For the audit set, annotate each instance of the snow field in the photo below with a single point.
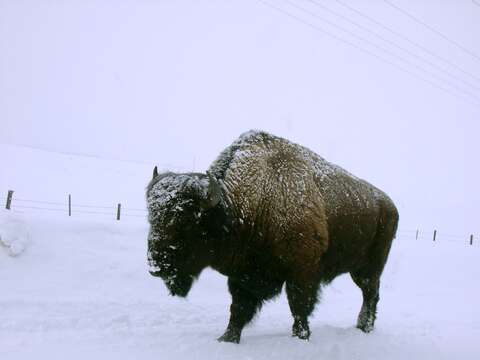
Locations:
(81, 288)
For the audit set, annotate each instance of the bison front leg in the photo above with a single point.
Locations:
(302, 298)
(243, 309)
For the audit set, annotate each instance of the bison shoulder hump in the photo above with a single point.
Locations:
(272, 180)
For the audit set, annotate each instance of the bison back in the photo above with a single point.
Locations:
(291, 201)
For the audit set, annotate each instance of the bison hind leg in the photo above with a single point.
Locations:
(368, 312)
(367, 277)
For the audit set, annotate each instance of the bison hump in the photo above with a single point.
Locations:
(270, 185)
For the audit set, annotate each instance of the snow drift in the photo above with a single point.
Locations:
(14, 235)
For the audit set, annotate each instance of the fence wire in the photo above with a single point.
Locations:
(73, 208)
(74, 205)
(90, 209)
(440, 237)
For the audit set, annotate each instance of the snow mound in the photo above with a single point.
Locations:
(14, 234)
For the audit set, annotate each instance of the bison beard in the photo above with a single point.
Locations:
(267, 213)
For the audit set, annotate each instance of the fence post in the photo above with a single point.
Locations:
(9, 199)
(119, 206)
(416, 235)
(434, 234)
(471, 239)
(69, 205)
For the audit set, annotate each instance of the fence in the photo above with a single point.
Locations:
(118, 212)
(70, 208)
(437, 236)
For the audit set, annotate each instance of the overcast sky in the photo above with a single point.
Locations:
(174, 82)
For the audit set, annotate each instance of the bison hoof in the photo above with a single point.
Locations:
(230, 336)
(366, 328)
(301, 331)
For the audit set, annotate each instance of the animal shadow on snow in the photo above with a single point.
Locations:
(320, 334)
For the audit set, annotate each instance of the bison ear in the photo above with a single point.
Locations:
(214, 192)
(155, 172)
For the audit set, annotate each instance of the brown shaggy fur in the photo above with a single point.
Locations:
(283, 215)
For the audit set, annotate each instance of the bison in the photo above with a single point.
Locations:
(270, 212)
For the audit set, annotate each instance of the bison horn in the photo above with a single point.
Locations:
(155, 172)
(214, 193)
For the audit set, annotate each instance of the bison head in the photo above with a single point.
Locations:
(177, 238)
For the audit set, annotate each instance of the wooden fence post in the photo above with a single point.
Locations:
(9, 199)
(118, 211)
(416, 235)
(471, 239)
(69, 205)
(434, 235)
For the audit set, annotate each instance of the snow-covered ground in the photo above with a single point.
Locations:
(79, 286)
